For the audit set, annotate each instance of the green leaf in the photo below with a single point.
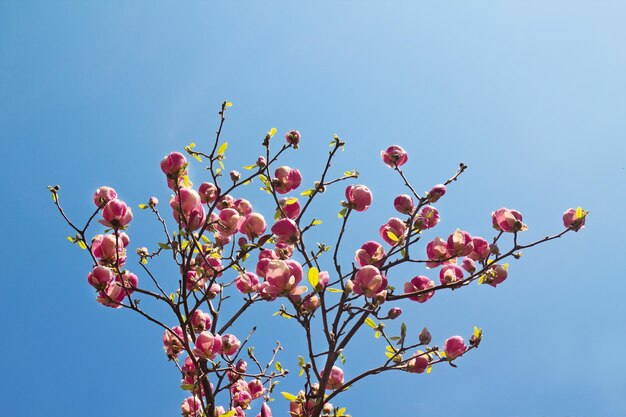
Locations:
(478, 333)
(164, 245)
(403, 330)
(291, 201)
(143, 206)
(222, 148)
(82, 245)
(71, 239)
(272, 132)
(230, 413)
(370, 323)
(341, 412)
(315, 222)
(249, 167)
(228, 104)
(335, 290)
(187, 387)
(278, 367)
(195, 155)
(342, 213)
(307, 192)
(377, 334)
(288, 396)
(313, 276)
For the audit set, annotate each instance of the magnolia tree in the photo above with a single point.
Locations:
(229, 262)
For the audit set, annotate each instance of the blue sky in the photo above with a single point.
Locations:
(531, 95)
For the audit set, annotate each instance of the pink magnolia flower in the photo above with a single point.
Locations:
(450, 273)
(256, 388)
(437, 252)
(323, 279)
(243, 206)
(371, 253)
(368, 281)
(427, 218)
(247, 282)
(173, 164)
(192, 220)
(394, 156)
(393, 231)
(469, 265)
(99, 277)
(290, 207)
(496, 275)
(266, 411)
(225, 201)
(253, 225)
(112, 296)
(230, 344)
(191, 407)
(459, 244)
(418, 363)
(506, 220)
(419, 283)
(116, 214)
(188, 368)
(283, 250)
(286, 231)
(261, 162)
(310, 304)
(103, 195)
(574, 219)
(359, 197)
(404, 204)
(235, 175)
(153, 202)
(293, 138)
(185, 200)
(265, 256)
(242, 399)
(109, 249)
(481, 249)
(208, 192)
(172, 341)
(335, 378)
(454, 347)
(128, 280)
(200, 321)
(425, 337)
(283, 277)
(436, 193)
(286, 179)
(207, 345)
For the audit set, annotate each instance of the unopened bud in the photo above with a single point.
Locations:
(394, 313)
(425, 336)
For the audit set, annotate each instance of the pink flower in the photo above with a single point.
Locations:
(506, 220)
(225, 201)
(265, 411)
(173, 164)
(574, 219)
(371, 253)
(234, 175)
(368, 281)
(454, 347)
(310, 304)
(435, 193)
(265, 256)
(394, 313)
(481, 249)
(172, 341)
(112, 296)
(450, 274)
(208, 192)
(418, 363)
(253, 225)
(99, 277)
(200, 321)
(496, 275)
(335, 378)
(282, 278)
(290, 207)
(359, 197)
(109, 249)
(286, 231)
(427, 218)
(243, 206)
(404, 204)
(419, 283)
(191, 407)
(103, 195)
(116, 214)
(128, 280)
(394, 156)
(230, 344)
(469, 265)
(256, 388)
(323, 279)
(192, 220)
(393, 231)
(261, 162)
(247, 282)
(185, 199)
(283, 250)
(153, 201)
(207, 345)
(286, 179)
(459, 244)
(188, 368)
(437, 252)
(293, 138)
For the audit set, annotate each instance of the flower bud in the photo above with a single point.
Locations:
(235, 175)
(574, 218)
(359, 197)
(293, 138)
(436, 193)
(103, 195)
(394, 313)
(454, 347)
(425, 337)
(404, 204)
(394, 156)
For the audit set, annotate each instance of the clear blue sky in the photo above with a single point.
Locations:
(530, 94)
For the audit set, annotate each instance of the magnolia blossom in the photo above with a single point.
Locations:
(419, 283)
(282, 278)
(293, 138)
(496, 274)
(103, 195)
(208, 192)
(435, 193)
(394, 156)
(173, 164)
(394, 313)
(99, 277)
(335, 378)
(359, 197)
(437, 252)
(191, 407)
(506, 220)
(371, 253)
(128, 280)
(574, 219)
(393, 231)
(459, 244)
(200, 321)
(404, 204)
(450, 273)
(418, 363)
(247, 282)
(207, 345)
(191, 220)
(368, 281)
(428, 218)
(116, 214)
(481, 249)
(253, 225)
(112, 295)
(286, 231)
(286, 179)
(110, 249)
(469, 265)
(290, 208)
(454, 347)
(230, 344)
(172, 341)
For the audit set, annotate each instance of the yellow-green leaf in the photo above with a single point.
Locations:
(429, 369)
(389, 355)
(228, 104)
(230, 413)
(249, 167)
(341, 412)
(143, 206)
(370, 323)
(329, 289)
(478, 333)
(316, 222)
(392, 236)
(191, 145)
(307, 192)
(288, 396)
(272, 132)
(314, 276)
(71, 239)
(291, 201)
(195, 155)
(82, 245)
(222, 148)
